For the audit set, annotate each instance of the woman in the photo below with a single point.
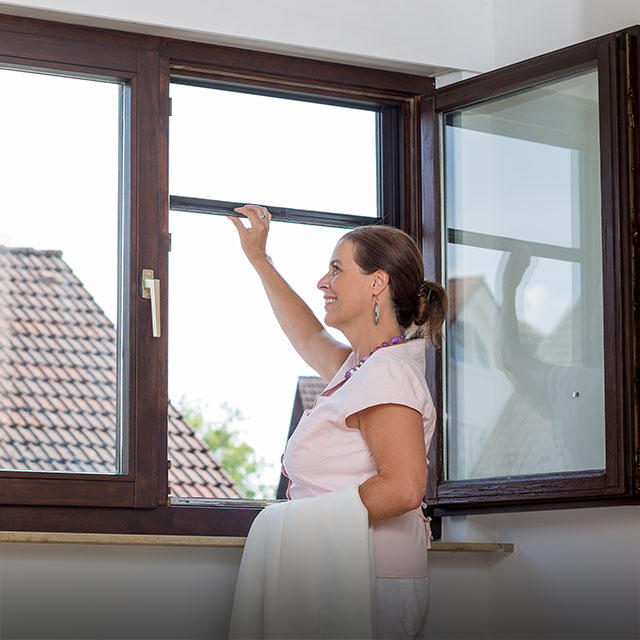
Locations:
(374, 421)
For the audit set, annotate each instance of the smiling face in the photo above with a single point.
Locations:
(348, 293)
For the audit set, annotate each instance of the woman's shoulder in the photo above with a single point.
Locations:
(411, 353)
(401, 360)
(396, 374)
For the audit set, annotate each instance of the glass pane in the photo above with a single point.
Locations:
(227, 353)
(525, 377)
(277, 152)
(59, 272)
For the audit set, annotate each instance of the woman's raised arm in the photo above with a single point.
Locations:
(309, 338)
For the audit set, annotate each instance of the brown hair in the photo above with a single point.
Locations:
(420, 305)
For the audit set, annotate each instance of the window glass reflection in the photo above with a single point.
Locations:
(525, 350)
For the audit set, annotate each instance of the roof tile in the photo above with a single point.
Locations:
(58, 377)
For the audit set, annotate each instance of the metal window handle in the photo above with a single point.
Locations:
(151, 290)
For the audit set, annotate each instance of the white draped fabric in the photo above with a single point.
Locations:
(308, 571)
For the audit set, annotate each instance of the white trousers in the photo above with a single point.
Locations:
(402, 605)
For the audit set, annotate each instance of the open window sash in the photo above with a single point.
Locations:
(527, 205)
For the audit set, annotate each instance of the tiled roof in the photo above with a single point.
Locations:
(58, 381)
(308, 388)
(523, 440)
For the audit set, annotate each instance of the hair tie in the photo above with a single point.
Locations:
(426, 291)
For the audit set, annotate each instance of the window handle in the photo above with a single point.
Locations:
(151, 290)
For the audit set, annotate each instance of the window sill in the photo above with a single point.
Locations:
(202, 541)
(476, 547)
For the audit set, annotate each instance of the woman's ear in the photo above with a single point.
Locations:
(380, 281)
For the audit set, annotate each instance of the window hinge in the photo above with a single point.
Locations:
(170, 107)
(168, 464)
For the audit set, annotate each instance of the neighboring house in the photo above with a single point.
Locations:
(58, 381)
(524, 440)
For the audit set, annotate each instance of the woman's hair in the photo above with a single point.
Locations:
(420, 305)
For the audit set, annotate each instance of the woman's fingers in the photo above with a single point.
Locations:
(255, 213)
(253, 239)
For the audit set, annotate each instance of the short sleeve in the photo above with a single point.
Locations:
(386, 381)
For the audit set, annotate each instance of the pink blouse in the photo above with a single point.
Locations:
(323, 454)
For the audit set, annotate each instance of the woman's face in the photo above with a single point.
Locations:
(348, 293)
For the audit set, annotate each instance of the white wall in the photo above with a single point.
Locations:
(427, 37)
(77, 592)
(522, 29)
(574, 574)
(391, 34)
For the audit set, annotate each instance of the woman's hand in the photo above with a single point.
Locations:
(253, 239)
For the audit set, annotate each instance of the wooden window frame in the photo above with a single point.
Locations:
(389, 206)
(616, 57)
(138, 503)
(26, 44)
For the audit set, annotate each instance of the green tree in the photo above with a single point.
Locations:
(236, 457)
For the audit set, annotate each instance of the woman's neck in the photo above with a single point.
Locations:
(365, 341)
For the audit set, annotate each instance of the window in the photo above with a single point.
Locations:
(532, 216)
(61, 356)
(315, 165)
(226, 348)
(115, 423)
(72, 418)
(432, 162)
(233, 146)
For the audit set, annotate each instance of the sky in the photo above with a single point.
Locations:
(60, 172)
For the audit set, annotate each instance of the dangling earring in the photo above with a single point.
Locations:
(376, 312)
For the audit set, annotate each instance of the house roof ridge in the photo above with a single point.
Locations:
(30, 251)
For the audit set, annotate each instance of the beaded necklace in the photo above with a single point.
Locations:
(387, 343)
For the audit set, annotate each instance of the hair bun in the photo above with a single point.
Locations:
(430, 309)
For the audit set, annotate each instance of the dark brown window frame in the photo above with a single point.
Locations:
(616, 57)
(137, 503)
(92, 507)
(38, 46)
